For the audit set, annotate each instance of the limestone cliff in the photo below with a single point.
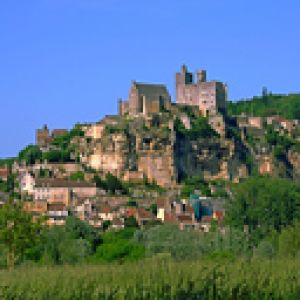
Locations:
(139, 147)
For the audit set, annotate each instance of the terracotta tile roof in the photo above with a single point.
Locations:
(55, 182)
(131, 211)
(144, 214)
(219, 215)
(170, 219)
(105, 210)
(162, 201)
(56, 207)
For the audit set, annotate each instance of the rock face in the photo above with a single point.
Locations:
(294, 160)
(148, 147)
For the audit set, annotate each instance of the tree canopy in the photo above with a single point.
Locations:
(287, 106)
(18, 232)
(263, 204)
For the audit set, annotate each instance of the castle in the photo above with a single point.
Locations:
(44, 137)
(209, 96)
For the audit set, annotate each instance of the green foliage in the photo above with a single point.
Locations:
(10, 183)
(30, 154)
(265, 249)
(56, 156)
(289, 241)
(106, 224)
(190, 244)
(199, 129)
(287, 106)
(132, 203)
(264, 204)
(77, 176)
(131, 222)
(159, 278)
(63, 141)
(68, 244)
(153, 208)
(76, 131)
(17, 231)
(7, 161)
(118, 246)
(193, 183)
(3, 186)
(111, 184)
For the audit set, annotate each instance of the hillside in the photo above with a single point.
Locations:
(287, 106)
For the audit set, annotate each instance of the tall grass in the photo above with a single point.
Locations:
(158, 278)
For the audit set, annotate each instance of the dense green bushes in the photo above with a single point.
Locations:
(118, 246)
(287, 106)
(158, 278)
(193, 183)
(264, 204)
(199, 129)
(111, 184)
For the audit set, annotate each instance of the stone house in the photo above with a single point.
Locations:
(117, 223)
(57, 213)
(186, 222)
(106, 213)
(143, 216)
(26, 182)
(83, 209)
(35, 207)
(60, 190)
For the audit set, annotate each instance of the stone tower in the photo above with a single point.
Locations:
(209, 96)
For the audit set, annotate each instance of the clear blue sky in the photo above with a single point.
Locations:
(67, 61)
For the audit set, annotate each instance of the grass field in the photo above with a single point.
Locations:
(159, 278)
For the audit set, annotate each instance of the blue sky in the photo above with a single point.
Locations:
(67, 61)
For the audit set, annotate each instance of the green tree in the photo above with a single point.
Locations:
(30, 154)
(131, 222)
(18, 232)
(68, 244)
(263, 204)
(289, 241)
(193, 183)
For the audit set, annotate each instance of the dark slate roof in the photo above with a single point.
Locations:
(151, 91)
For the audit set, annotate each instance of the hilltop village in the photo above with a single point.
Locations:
(157, 161)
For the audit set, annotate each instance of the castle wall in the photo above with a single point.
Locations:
(210, 96)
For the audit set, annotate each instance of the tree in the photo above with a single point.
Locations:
(112, 183)
(70, 243)
(30, 154)
(131, 203)
(193, 183)
(263, 204)
(131, 222)
(18, 232)
(289, 241)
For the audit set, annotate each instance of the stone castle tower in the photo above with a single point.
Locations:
(209, 96)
